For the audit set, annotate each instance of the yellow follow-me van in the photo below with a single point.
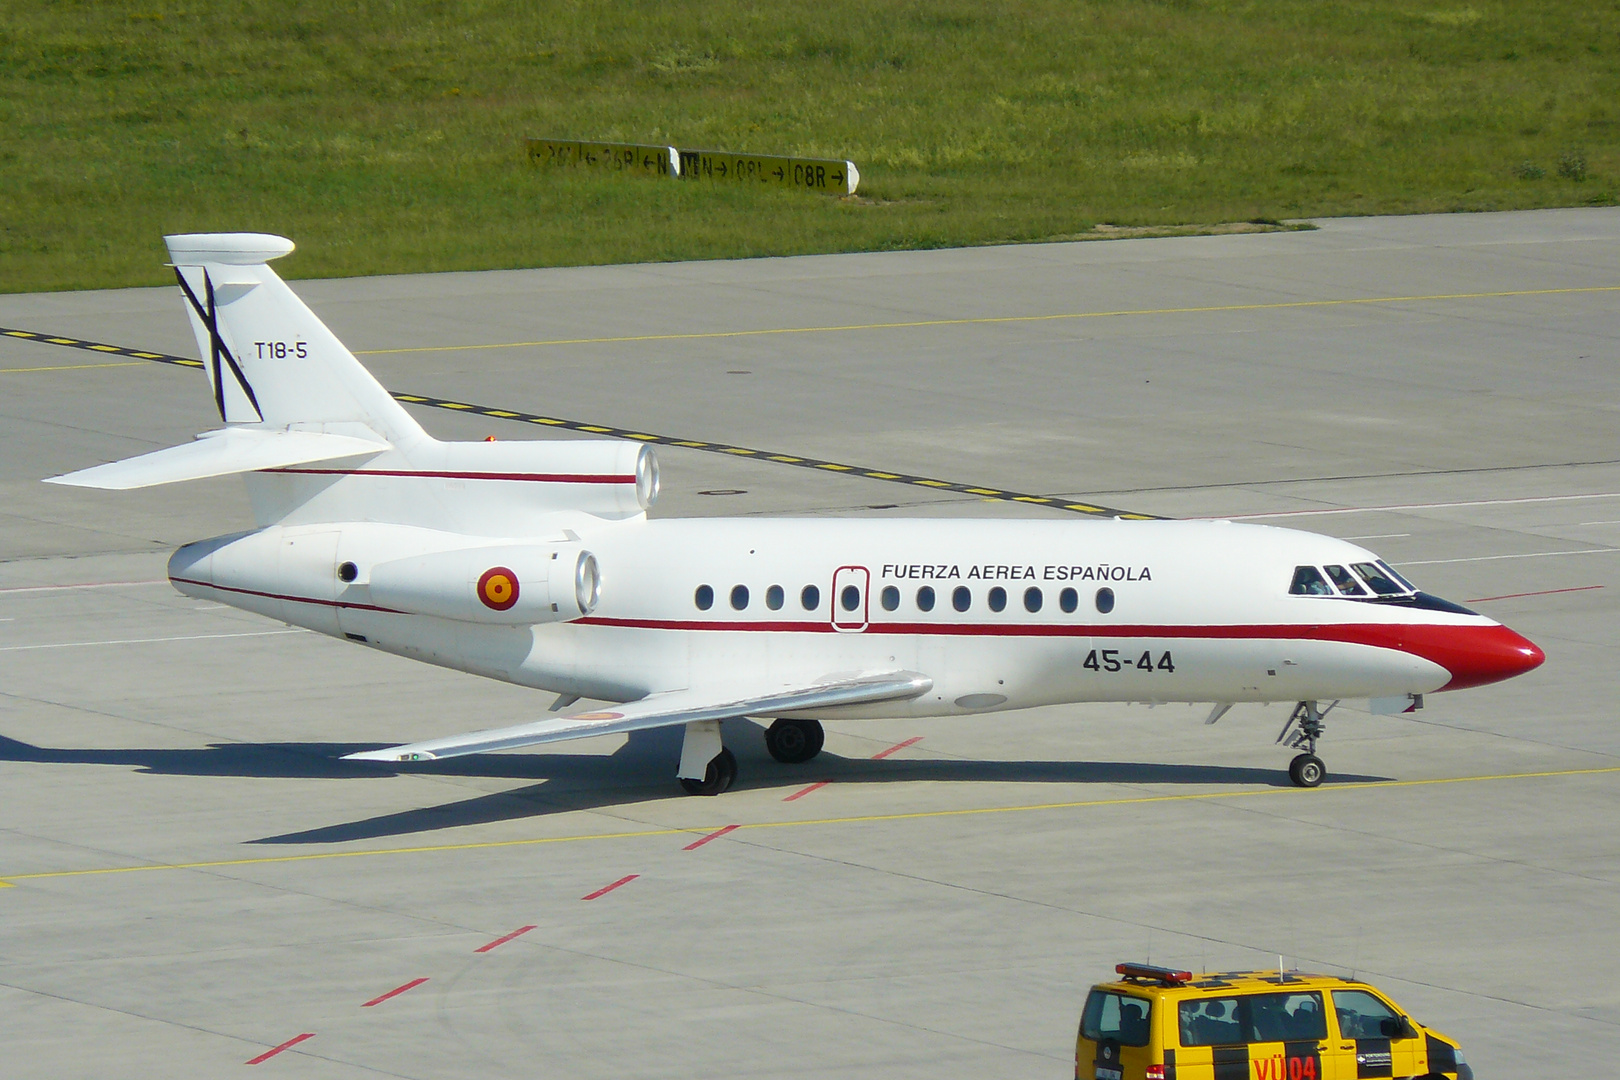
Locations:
(1154, 1023)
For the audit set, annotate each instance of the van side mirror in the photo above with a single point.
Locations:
(1392, 1027)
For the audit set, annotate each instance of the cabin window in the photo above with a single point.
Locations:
(850, 597)
(1380, 581)
(891, 598)
(703, 598)
(1347, 584)
(773, 598)
(1105, 600)
(961, 598)
(998, 599)
(1308, 581)
(739, 596)
(810, 598)
(1032, 599)
(925, 598)
(1068, 600)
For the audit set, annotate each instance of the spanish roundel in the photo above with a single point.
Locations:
(498, 588)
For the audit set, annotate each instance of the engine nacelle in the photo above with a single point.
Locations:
(511, 584)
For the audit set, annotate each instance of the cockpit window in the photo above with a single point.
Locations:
(1393, 573)
(1380, 581)
(1308, 581)
(1346, 582)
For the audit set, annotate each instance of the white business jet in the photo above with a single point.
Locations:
(535, 562)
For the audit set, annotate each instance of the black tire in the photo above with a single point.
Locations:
(719, 776)
(793, 742)
(1307, 771)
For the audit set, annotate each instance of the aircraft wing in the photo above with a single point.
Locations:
(664, 710)
(220, 453)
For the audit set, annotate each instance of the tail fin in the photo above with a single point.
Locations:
(270, 361)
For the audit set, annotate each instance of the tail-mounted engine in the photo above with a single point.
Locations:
(517, 584)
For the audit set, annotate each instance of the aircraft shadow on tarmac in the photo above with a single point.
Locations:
(639, 771)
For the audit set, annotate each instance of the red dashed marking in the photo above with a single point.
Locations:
(1543, 592)
(395, 992)
(801, 794)
(881, 754)
(717, 834)
(503, 940)
(604, 890)
(289, 1044)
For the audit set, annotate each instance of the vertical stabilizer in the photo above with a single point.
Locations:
(270, 361)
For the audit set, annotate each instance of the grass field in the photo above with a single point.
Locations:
(387, 137)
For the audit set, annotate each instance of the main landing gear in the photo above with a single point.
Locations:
(1303, 728)
(708, 768)
(794, 741)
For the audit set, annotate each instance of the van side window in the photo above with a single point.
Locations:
(1284, 1017)
(1308, 581)
(1116, 1016)
(1210, 1022)
(1362, 1016)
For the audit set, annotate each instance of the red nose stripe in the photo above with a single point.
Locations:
(1475, 655)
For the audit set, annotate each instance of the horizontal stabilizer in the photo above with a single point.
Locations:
(221, 453)
(663, 710)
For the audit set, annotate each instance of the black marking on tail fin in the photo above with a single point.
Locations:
(217, 349)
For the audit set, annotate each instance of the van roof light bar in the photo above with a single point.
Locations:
(1149, 973)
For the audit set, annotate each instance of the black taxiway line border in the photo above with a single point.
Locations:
(932, 484)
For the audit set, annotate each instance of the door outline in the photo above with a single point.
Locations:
(843, 577)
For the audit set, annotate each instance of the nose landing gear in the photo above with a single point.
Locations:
(1303, 728)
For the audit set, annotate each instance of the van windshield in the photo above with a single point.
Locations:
(1116, 1016)
(1226, 1021)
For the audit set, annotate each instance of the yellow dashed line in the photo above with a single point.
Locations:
(73, 367)
(982, 491)
(854, 819)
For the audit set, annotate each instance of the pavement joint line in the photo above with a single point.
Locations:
(990, 320)
(68, 367)
(514, 416)
(855, 819)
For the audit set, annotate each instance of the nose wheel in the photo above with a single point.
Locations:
(1303, 728)
(794, 741)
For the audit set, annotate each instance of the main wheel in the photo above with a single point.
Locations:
(794, 741)
(1307, 770)
(720, 775)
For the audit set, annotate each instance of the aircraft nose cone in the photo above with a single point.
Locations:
(1487, 654)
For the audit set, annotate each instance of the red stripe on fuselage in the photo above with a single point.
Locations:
(290, 599)
(536, 478)
(1474, 655)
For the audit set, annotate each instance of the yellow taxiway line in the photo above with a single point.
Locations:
(855, 819)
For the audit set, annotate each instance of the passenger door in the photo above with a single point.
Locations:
(850, 587)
